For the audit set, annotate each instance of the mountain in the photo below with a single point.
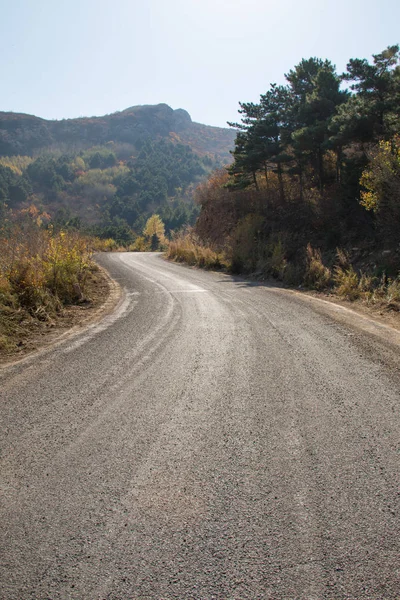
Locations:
(22, 134)
(111, 172)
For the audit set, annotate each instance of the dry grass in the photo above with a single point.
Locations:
(41, 271)
(383, 292)
(317, 275)
(44, 268)
(186, 247)
(346, 283)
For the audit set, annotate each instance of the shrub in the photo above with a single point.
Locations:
(245, 244)
(276, 263)
(140, 245)
(186, 247)
(109, 245)
(346, 283)
(41, 270)
(393, 290)
(293, 274)
(317, 275)
(380, 191)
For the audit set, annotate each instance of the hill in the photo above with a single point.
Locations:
(109, 172)
(22, 134)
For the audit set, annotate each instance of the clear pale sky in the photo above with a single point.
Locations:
(61, 59)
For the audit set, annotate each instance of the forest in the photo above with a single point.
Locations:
(97, 192)
(313, 194)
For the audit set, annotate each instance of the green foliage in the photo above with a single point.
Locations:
(293, 127)
(289, 127)
(161, 177)
(115, 228)
(378, 87)
(178, 213)
(14, 188)
(99, 158)
(93, 187)
(93, 191)
(309, 158)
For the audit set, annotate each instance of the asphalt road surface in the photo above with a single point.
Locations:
(211, 439)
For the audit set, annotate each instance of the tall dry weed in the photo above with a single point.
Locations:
(43, 269)
(186, 247)
(317, 275)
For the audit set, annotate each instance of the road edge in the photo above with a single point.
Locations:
(362, 320)
(114, 298)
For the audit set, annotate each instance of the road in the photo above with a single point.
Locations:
(211, 439)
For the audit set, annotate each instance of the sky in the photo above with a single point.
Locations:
(62, 59)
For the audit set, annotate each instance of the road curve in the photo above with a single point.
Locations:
(211, 439)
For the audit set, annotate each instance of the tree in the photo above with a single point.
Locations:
(274, 131)
(117, 229)
(155, 231)
(289, 125)
(316, 94)
(14, 188)
(381, 188)
(376, 105)
(261, 139)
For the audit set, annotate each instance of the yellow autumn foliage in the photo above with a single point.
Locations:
(186, 247)
(381, 180)
(41, 268)
(18, 164)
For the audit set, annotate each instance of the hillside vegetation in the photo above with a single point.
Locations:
(108, 175)
(313, 195)
(42, 271)
(128, 129)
